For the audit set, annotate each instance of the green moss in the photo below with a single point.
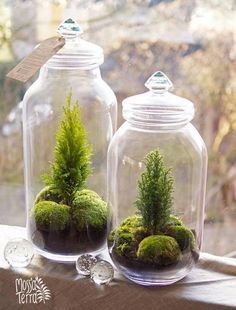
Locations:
(159, 249)
(140, 233)
(89, 210)
(126, 244)
(125, 249)
(127, 236)
(130, 224)
(174, 221)
(183, 236)
(111, 236)
(51, 216)
(133, 225)
(48, 194)
(86, 192)
(132, 221)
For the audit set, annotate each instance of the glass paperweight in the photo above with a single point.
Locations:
(102, 272)
(69, 118)
(18, 252)
(84, 264)
(157, 164)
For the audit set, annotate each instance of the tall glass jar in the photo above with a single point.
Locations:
(157, 165)
(71, 75)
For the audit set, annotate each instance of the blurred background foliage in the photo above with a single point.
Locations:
(193, 42)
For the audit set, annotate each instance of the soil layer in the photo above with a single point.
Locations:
(69, 241)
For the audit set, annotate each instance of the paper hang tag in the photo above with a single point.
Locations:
(36, 59)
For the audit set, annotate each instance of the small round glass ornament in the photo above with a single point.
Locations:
(102, 272)
(18, 252)
(84, 264)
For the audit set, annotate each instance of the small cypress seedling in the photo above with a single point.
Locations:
(155, 188)
(71, 165)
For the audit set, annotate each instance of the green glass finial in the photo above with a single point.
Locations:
(69, 28)
(158, 81)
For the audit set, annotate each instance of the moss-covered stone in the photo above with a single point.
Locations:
(159, 249)
(183, 236)
(51, 216)
(47, 194)
(89, 210)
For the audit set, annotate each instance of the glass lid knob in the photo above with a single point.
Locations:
(69, 28)
(159, 82)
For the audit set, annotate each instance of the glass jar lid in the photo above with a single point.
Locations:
(76, 53)
(158, 107)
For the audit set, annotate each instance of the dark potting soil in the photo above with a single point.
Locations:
(69, 241)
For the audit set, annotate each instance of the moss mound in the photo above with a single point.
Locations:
(48, 194)
(128, 236)
(131, 222)
(183, 236)
(51, 216)
(86, 192)
(129, 225)
(159, 249)
(126, 244)
(89, 210)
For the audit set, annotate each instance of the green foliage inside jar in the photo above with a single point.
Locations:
(154, 236)
(70, 217)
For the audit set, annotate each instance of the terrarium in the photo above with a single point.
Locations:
(157, 165)
(69, 118)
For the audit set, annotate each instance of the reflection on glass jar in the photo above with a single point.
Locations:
(157, 166)
(65, 150)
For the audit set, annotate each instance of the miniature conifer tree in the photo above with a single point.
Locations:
(71, 165)
(155, 188)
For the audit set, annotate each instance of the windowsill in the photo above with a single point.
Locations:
(210, 285)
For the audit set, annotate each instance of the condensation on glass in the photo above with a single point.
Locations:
(156, 119)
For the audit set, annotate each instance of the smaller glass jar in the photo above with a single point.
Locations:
(157, 164)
